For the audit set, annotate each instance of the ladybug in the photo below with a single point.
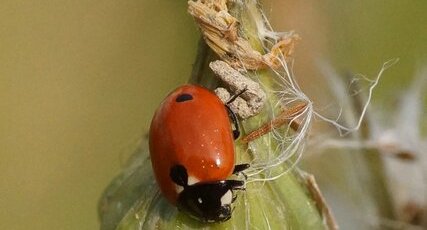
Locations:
(191, 144)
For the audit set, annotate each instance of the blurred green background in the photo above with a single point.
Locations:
(79, 81)
(78, 84)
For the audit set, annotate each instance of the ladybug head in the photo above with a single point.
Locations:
(205, 201)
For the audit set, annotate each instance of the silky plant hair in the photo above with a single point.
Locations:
(291, 143)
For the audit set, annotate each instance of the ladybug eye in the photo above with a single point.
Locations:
(184, 97)
(179, 175)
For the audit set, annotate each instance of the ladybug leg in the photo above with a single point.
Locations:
(236, 132)
(233, 200)
(235, 184)
(240, 168)
(231, 99)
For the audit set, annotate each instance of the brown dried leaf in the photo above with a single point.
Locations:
(220, 31)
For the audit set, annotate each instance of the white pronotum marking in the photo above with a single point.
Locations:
(192, 180)
(178, 188)
(227, 198)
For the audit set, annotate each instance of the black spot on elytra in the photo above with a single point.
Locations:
(178, 174)
(184, 97)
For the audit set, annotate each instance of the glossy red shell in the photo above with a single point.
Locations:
(196, 134)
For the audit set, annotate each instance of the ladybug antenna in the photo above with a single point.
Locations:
(235, 184)
(179, 175)
(231, 99)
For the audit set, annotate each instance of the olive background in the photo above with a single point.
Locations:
(79, 82)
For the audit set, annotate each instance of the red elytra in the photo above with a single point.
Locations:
(192, 153)
(195, 133)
